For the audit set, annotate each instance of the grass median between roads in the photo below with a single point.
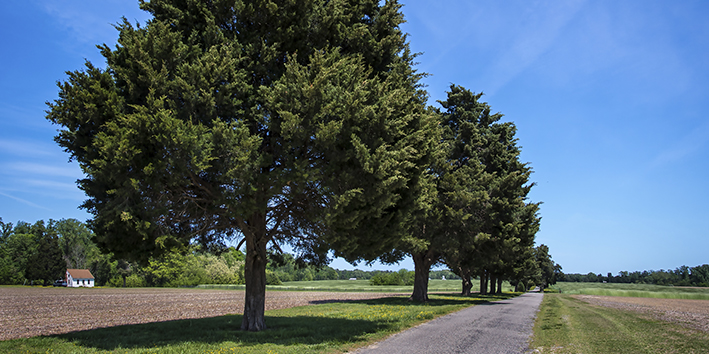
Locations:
(568, 325)
(320, 328)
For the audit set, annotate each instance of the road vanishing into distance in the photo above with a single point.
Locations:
(503, 326)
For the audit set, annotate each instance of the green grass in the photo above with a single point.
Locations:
(634, 290)
(434, 285)
(322, 328)
(567, 325)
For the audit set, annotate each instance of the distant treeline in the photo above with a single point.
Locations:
(286, 268)
(682, 276)
(40, 253)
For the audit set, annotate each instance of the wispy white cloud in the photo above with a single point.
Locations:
(23, 201)
(92, 21)
(533, 37)
(689, 144)
(39, 169)
(56, 185)
(27, 148)
(84, 24)
(30, 116)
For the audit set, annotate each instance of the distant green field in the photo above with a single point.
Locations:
(634, 290)
(434, 285)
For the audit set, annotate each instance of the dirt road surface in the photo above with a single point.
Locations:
(28, 312)
(689, 313)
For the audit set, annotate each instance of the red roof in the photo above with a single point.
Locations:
(80, 273)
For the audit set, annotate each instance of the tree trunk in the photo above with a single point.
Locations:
(499, 285)
(483, 282)
(467, 283)
(493, 280)
(422, 267)
(255, 276)
(124, 280)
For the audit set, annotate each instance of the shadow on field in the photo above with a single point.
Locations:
(282, 330)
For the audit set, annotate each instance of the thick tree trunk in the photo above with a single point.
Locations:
(422, 267)
(255, 276)
(493, 280)
(483, 282)
(499, 285)
(467, 283)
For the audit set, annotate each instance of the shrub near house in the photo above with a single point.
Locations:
(79, 277)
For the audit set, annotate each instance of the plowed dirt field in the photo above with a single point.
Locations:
(28, 312)
(689, 313)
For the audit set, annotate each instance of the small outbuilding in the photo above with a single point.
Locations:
(79, 277)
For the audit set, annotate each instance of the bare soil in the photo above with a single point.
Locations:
(28, 312)
(689, 313)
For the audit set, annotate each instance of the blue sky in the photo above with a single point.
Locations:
(610, 99)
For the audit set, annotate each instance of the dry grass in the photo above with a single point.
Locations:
(32, 311)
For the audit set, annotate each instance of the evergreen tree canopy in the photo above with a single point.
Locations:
(270, 121)
(491, 226)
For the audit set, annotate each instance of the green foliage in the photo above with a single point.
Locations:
(17, 250)
(76, 243)
(279, 122)
(132, 281)
(439, 274)
(26, 251)
(191, 269)
(681, 276)
(356, 274)
(272, 278)
(402, 277)
(550, 271)
(287, 268)
(30, 253)
(46, 263)
(320, 122)
(103, 268)
(484, 225)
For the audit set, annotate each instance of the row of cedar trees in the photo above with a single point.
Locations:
(303, 123)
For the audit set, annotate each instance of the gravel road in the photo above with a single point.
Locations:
(496, 327)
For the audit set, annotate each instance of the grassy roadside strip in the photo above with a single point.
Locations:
(321, 328)
(568, 325)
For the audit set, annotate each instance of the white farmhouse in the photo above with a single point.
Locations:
(79, 277)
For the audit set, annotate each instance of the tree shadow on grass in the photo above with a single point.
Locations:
(281, 331)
